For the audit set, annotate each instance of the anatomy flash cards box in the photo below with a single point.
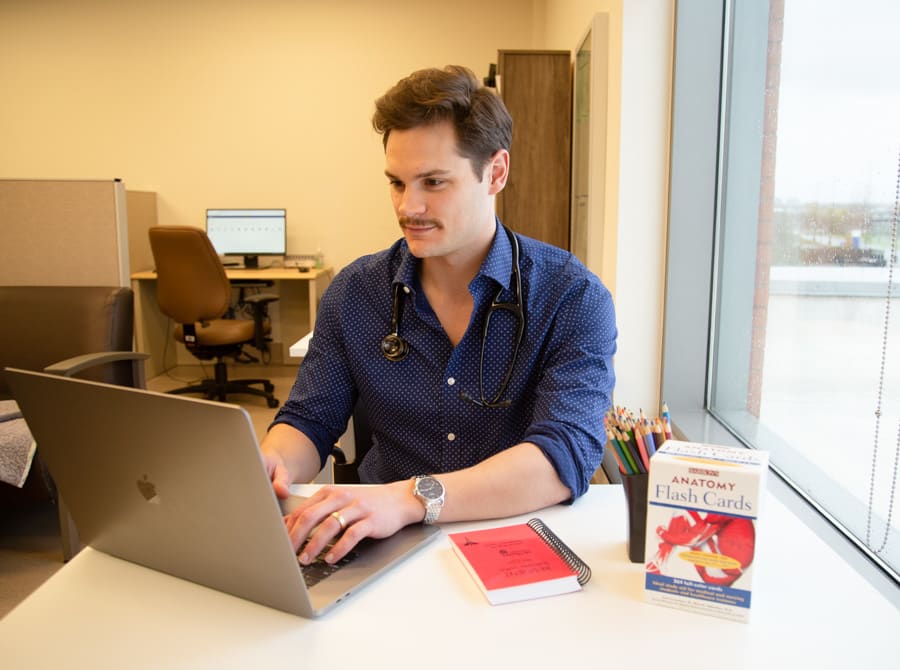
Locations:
(703, 504)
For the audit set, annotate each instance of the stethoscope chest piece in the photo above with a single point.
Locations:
(394, 347)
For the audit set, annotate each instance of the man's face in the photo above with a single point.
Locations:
(442, 207)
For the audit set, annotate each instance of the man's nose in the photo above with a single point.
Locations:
(411, 203)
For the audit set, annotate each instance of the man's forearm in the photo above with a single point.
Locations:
(515, 481)
(299, 454)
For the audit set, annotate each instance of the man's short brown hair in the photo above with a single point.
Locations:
(482, 123)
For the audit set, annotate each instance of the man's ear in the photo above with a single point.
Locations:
(497, 171)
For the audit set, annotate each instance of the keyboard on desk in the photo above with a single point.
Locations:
(318, 570)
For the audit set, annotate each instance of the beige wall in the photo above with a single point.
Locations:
(629, 254)
(231, 103)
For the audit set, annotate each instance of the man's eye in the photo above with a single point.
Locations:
(396, 185)
(434, 183)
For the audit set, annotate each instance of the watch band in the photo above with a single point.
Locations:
(432, 512)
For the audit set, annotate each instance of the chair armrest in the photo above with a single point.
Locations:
(264, 298)
(72, 366)
(338, 455)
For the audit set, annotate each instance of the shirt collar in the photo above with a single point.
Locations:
(498, 263)
(406, 274)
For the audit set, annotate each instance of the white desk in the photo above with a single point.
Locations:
(299, 348)
(810, 610)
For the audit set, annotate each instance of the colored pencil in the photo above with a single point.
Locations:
(637, 438)
(642, 446)
(617, 451)
(627, 450)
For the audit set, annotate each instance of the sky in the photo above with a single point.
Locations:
(839, 101)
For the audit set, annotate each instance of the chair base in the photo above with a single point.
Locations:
(220, 387)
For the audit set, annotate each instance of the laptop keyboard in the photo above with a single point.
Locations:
(318, 570)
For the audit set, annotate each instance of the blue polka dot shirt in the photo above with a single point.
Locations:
(559, 390)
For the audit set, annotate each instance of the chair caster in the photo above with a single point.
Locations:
(272, 402)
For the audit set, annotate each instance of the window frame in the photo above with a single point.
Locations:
(702, 39)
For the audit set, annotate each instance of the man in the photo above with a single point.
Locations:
(503, 419)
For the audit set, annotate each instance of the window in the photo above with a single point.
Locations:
(783, 248)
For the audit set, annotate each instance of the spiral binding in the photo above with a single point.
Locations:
(563, 551)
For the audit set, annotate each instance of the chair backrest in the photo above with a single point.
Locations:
(191, 284)
(43, 325)
(348, 473)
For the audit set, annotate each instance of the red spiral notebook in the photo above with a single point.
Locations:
(519, 562)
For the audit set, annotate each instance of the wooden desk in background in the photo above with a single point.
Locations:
(299, 294)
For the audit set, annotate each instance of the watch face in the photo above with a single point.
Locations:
(429, 487)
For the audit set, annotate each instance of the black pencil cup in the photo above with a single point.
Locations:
(635, 487)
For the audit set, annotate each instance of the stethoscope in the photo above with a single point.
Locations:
(395, 348)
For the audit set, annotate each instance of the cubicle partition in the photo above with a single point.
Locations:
(73, 232)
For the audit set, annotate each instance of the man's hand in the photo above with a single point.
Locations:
(492, 489)
(366, 511)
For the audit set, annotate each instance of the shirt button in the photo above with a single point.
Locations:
(451, 437)
(451, 381)
(406, 289)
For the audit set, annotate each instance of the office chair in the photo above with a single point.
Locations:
(193, 290)
(91, 337)
(345, 472)
(256, 307)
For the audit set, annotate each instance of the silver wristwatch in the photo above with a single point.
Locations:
(431, 492)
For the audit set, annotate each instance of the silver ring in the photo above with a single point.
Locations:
(340, 519)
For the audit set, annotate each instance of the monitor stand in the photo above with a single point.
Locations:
(251, 262)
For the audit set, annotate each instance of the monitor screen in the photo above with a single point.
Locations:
(247, 232)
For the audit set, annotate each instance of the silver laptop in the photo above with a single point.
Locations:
(178, 485)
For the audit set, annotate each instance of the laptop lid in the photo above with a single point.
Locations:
(178, 484)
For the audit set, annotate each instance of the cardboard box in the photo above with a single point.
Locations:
(703, 510)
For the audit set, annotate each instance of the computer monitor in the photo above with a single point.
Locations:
(250, 233)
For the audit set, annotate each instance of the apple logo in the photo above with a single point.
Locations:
(148, 490)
